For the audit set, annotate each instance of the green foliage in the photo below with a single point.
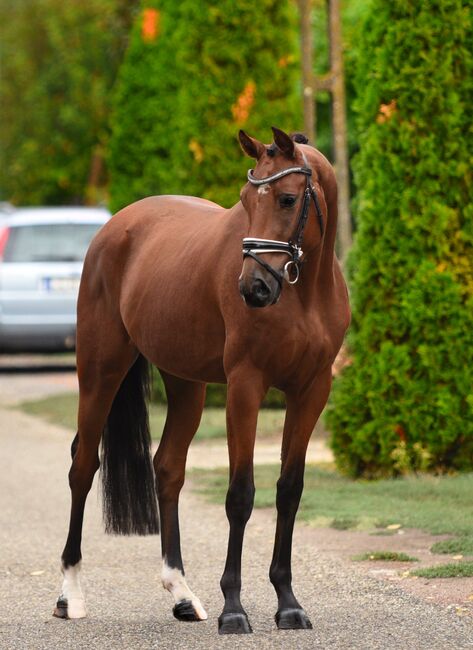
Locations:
(59, 61)
(212, 68)
(384, 556)
(463, 545)
(452, 570)
(144, 104)
(406, 401)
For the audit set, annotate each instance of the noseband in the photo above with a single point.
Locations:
(252, 246)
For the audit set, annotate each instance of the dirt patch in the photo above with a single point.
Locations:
(452, 593)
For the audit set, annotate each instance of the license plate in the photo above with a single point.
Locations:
(60, 285)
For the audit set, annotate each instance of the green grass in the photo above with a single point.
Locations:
(62, 410)
(386, 556)
(452, 570)
(435, 504)
(463, 545)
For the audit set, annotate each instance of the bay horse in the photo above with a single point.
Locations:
(163, 283)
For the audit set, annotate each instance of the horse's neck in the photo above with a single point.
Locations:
(319, 268)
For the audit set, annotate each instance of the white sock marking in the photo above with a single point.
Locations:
(72, 591)
(175, 583)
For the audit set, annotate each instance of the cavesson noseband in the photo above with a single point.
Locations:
(252, 246)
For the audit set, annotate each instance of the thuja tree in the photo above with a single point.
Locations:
(210, 69)
(143, 106)
(405, 400)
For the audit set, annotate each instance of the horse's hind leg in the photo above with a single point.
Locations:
(185, 404)
(103, 359)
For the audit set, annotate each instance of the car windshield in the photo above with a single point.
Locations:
(58, 242)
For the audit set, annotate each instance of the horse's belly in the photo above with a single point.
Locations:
(183, 343)
(188, 362)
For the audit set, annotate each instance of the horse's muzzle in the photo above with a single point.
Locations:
(258, 293)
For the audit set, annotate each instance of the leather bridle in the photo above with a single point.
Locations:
(253, 247)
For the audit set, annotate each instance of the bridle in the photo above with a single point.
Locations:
(252, 246)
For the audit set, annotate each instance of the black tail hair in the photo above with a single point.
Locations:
(128, 483)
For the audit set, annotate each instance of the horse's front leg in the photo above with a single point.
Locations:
(303, 411)
(244, 396)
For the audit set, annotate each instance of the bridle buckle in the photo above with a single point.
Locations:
(287, 272)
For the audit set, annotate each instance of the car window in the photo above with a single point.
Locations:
(59, 242)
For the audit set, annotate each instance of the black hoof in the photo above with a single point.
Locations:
(229, 623)
(184, 611)
(292, 619)
(60, 611)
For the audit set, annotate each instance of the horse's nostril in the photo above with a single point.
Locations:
(260, 289)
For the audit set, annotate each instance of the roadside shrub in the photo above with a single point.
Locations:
(406, 401)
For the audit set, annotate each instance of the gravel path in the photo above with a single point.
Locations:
(127, 606)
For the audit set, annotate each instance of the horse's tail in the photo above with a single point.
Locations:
(128, 483)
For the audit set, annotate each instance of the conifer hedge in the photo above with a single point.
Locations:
(405, 402)
(209, 68)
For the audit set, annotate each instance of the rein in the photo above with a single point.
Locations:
(252, 246)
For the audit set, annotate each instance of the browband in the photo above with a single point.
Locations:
(284, 172)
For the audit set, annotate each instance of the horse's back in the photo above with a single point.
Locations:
(160, 213)
(156, 223)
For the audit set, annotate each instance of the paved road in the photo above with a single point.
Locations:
(127, 606)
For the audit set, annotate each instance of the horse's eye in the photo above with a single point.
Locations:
(287, 201)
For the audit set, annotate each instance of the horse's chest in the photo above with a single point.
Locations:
(298, 352)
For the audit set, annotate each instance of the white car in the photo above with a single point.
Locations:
(41, 255)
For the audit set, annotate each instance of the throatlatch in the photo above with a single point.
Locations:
(252, 246)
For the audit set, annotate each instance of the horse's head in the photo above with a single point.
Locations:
(278, 199)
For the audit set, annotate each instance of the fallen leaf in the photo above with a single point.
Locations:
(393, 526)
(461, 611)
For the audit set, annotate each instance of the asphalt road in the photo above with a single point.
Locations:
(128, 607)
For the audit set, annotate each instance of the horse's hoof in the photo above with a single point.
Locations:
(229, 623)
(69, 609)
(184, 611)
(292, 619)
(60, 611)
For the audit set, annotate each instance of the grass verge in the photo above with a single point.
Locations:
(435, 504)
(62, 410)
(452, 570)
(463, 545)
(384, 556)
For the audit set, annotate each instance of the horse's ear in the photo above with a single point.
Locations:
(253, 148)
(284, 142)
